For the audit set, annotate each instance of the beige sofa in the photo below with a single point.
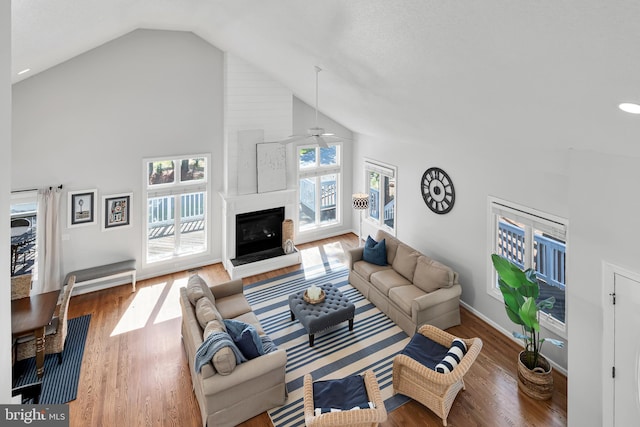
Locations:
(412, 289)
(228, 393)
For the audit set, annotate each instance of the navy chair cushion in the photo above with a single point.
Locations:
(343, 394)
(425, 351)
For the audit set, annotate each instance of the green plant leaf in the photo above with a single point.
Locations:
(512, 302)
(553, 341)
(508, 272)
(547, 303)
(529, 314)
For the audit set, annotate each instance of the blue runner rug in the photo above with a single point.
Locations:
(60, 382)
(337, 352)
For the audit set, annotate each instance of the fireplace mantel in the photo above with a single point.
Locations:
(235, 204)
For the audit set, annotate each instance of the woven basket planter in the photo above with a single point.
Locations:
(537, 383)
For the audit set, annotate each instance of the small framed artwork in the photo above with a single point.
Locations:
(82, 208)
(117, 211)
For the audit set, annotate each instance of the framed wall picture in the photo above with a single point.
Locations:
(117, 211)
(82, 208)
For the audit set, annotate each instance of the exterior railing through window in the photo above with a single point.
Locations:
(161, 214)
(550, 254)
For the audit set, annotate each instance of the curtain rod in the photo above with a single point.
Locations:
(34, 189)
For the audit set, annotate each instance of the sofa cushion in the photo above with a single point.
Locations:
(206, 312)
(390, 242)
(366, 269)
(224, 360)
(404, 295)
(386, 279)
(405, 261)
(198, 288)
(375, 252)
(251, 319)
(431, 275)
(233, 306)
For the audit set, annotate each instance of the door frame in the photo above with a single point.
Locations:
(609, 272)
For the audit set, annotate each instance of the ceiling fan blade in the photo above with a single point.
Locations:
(292, 138)
(329, 137)
(321, 142)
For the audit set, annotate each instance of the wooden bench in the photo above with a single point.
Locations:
(103, 272)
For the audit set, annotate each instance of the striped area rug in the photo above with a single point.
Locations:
(337, 352)
(60, 382)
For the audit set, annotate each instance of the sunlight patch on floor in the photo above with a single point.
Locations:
(139, 311)
(171, 305)
(314, 259)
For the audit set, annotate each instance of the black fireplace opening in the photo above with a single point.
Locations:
(258, 235)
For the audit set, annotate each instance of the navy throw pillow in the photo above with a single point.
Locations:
(343, 394)
(245, 337)
(375, 252)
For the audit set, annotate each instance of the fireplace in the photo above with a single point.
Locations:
(259, 235)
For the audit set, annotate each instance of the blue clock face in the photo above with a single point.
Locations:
(437, 190)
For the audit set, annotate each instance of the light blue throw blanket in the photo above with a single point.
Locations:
(211, 345)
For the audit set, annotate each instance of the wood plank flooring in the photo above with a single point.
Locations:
(135, 373)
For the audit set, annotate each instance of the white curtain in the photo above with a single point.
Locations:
(49, 241)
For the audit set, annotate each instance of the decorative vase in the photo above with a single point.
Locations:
(287, 231)
(536, 383)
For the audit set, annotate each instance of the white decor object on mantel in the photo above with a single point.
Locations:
(272, 167)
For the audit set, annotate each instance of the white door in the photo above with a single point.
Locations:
(626, 351)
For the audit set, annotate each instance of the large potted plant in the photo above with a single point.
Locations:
(520, 290)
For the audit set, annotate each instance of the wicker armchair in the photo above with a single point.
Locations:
(358, 418)
(434, 390)
(55, 332)
(21, 286)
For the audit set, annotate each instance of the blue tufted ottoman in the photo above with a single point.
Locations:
(335, 308)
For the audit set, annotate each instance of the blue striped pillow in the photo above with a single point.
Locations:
(453, 357)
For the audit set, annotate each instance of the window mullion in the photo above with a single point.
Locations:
(529, 254)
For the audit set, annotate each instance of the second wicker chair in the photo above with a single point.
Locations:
(435, 390)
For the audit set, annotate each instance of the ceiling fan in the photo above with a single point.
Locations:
(315, 134)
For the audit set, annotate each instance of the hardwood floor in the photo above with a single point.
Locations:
(135, 373)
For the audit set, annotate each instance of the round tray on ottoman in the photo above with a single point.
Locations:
(306, 298)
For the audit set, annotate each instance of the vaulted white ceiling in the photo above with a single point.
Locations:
(545, 74)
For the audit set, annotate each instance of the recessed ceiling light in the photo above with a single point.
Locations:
(26, 70)
(629, 107)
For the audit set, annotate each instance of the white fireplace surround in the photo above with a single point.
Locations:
(233, 205)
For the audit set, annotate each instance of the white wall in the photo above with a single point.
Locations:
(605, 226)
(5, 188)
(90, 121)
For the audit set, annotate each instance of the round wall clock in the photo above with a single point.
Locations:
(437, 190)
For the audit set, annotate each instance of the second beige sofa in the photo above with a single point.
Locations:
(412, 289)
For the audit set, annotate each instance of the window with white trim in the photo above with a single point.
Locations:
(381, 187)
(533, 239)
(319, 171)
(176, 206)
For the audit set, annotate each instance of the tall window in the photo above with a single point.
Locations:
(24, 226)
(176, 208)
(533, 239)
(381, 180)
(319, 170)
